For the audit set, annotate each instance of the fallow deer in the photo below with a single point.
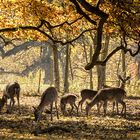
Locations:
(49, 97)
(122, 86)
(68, 99)
(88, 94)
(10, 92)
(108, 94)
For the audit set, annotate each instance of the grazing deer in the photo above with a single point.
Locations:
(49, 97)
(122, 86)
(89, 94)
(10, 92)
(68, 99)
(108, 94)
(86, 94)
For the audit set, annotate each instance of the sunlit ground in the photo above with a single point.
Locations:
(16, 126)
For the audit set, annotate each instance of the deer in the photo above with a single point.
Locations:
(86, 94)
(12, 90)
(89, 94)
(115, 94)
(68, 99)
(122, 86)
(48, 97)
(108, 94)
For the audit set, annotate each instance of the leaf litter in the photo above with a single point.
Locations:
(20, 126)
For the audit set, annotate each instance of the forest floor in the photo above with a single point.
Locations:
(20, 126)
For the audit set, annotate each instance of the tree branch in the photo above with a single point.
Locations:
(99, 45)
(44, 22)
(81, 12)
(92, 9)
(103, 16)
(116, 50)
(14, 29)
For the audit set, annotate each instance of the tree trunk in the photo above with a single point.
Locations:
(48, 67)
(123, 65)
(66, 82)
(102, 69)
(39, 80)
(70, 65)
(90, 72)
(56, 68)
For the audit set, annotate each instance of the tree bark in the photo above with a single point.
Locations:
(102, 69)
(123, 65)
(48, 67)
(56, 68)
(90, 72)
(66, 82)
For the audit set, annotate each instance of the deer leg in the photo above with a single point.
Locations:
(117, 107)
(99, 107)
(105, 107)
(81, 104)
(65, 111)
(6, 103)
(76, 108)
(51, 107)
(113, 106)
(124, 107)
(12, 104)
(88, 108)
(18, 102)
(9, 107)
(72, 107)
(56, 110)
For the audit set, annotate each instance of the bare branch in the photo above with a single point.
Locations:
(99, 45)
(92, 9)
(116, 50)
(81, 12)
(59, 25)
(103, 16)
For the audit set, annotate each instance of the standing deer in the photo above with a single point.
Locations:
(122, 86)
(49, 97)
(108, 94)
(68, 99)
(10, 92)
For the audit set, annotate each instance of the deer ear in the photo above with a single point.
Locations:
(127, 78)
(120, 77)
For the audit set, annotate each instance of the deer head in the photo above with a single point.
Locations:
(123, 80)
(37, 114)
